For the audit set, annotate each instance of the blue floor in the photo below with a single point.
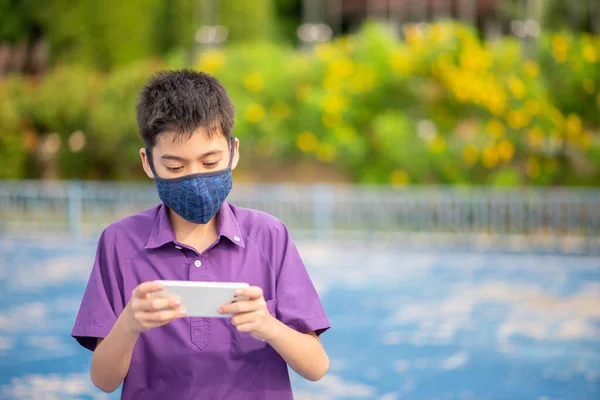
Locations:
(406, 325)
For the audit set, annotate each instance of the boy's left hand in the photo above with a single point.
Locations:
(252, 315)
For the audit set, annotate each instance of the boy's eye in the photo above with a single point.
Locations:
(174, 169)
(210, 164)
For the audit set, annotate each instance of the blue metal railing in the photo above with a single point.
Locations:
(541, 218)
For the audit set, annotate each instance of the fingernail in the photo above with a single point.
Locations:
(238, 291)
(177, 302)
(220, 310)
(182, 312)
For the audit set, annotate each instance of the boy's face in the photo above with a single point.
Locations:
(180, 156)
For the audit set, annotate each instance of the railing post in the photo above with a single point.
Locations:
(323, 211)
(74, 205)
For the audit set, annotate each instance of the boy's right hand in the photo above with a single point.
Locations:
(144, 312)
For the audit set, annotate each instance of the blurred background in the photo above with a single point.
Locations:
(437, 162)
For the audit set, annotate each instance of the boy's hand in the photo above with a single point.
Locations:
(252, 315)
(143, 312)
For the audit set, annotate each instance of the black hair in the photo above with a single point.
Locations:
(182, 101)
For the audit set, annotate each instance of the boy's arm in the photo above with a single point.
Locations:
(112, 355)
(302, 351)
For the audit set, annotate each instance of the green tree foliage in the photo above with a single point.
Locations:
(248, 20)
(441, 106)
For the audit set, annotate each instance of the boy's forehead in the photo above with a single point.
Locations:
(199, 140)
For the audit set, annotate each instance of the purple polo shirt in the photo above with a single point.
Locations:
(201, 358)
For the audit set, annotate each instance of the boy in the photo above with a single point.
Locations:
(186, 120)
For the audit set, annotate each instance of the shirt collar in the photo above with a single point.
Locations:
(162, 230)
(228, 225)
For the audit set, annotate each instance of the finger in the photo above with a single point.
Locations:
(153, 304)
(249, 327)
(163, 316)
(143, 289)
(253, 292)
(160, 303)
(241, 307)
(245, 318)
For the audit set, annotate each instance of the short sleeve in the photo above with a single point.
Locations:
(102, 300)
(298, 303)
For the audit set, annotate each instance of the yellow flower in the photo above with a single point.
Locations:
(325, 152)
(255, 112)
(506, 150)
(307, 141)
(586, 140)
(363, 80)
(532, 107)
(333, 104)
(475, 58)
(463, 33)
(254, 82)
(495, 128)
(439, 33)
(325, 51)
(559, 48)
(589, 86)
(332, 83)
(437, 145)
(470, 155)
(556, 116)
(496, 102)
(533, 167)
(517, 119)
(443, 64)
(342, 67)
(211, 61)
(489, 157)
(331, 120)
(399, 178)
(535, 137)
(461, 95)
(516, 87)
(280, 111)
(574, 125)
(413, 35)
(590, 54)
(531, 69)
(401, 63)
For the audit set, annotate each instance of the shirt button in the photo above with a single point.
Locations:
(236, 238)
(197, 263)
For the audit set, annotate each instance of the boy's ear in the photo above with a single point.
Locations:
(145, 164)
(236, 153)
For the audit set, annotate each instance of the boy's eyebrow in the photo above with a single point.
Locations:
(177, 158)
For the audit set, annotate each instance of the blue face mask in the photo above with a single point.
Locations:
(198, 197)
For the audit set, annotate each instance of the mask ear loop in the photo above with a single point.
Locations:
(232, 151)
(151, 163)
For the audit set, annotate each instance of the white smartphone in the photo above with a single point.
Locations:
(202, 299)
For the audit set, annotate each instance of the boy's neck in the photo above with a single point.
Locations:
(197, 236)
